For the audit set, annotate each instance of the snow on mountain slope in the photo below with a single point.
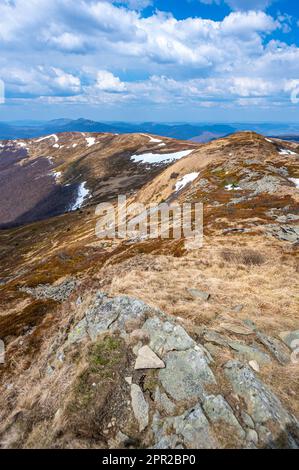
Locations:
(186, 180)
(153, 158)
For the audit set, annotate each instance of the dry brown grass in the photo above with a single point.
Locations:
(268, 299)
(247, 257)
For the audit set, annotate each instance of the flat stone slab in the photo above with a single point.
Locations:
(165, 336)
(147, 359)
(235, 328)
(276, 348)
(186, 374)
(213, 337)
(250, 353)
(140, 407)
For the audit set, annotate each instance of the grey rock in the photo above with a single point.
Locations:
(218, 410)
(213, 349)
(163, 403)
(289, 233)
(59, 293)
(200, 294)
(140, 407)
(169, 442)
(147, 359)
(166, 336)
(236, 329)
(252, 436)
(265, 184)
(191, 429)
(284, 219)
(250, 324)
(264, 434)
(250, 353)
(157, 426)
(276, 348)
(262, 404)
(186, 374)
(214, 337)
(194, 428)
(108, 314)
(290, 338)
(247, 420)
(79, 332)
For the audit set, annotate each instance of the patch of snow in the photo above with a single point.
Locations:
(50, 160)
(152, 139)
(286, 152)
(90, 141)
(295, 181)
(57, 175)
(153, 158)
(231, 187)
(21, 144)
(74, 145)
(185, 180)
(54, 136)
(268, 140)
(162, 145)
(56, 146)
(83, 192)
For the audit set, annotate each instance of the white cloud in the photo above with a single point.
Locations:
(86, 46)
(242, 24)
(106, 81)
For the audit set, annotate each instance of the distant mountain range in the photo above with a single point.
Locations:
(185, 131)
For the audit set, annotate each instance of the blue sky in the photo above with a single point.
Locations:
(158, 60)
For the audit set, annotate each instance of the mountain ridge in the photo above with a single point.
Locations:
(212, 326)
(185, 131)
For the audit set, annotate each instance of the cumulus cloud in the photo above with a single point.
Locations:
(106, 81)
(78, 51)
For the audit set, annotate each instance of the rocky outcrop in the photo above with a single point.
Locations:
(59, 292)
(181, 398)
